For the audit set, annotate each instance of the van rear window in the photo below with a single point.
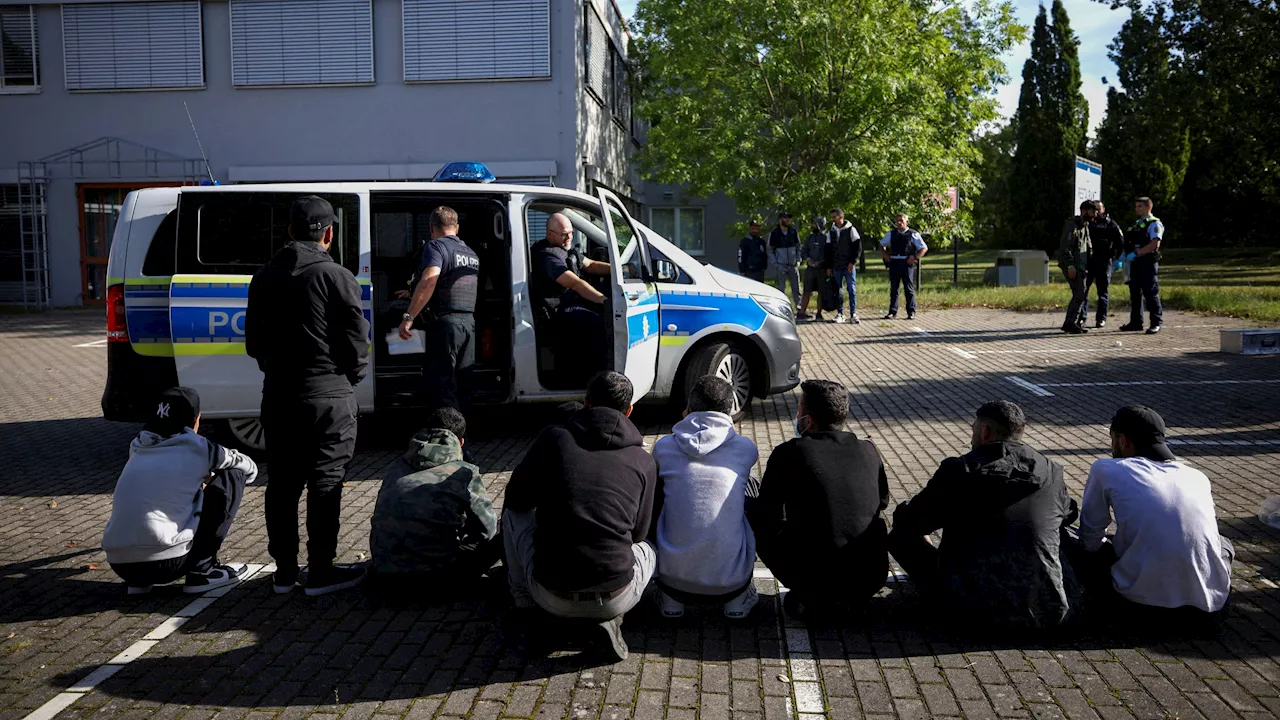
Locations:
(235, 233)
(160, 254)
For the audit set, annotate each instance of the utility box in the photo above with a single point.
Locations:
(1256, 341)
(1020, 267)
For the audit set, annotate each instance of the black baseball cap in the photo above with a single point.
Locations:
(310, 213)
(176, 408)
(784, 214)
(1145, 429)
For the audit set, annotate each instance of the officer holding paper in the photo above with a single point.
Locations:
(447, 287)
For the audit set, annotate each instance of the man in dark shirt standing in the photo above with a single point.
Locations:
(577, 510)
(817, 520)
(447, 287)
(753, 258)
(573, 308)
(1001, 508)
(305, 326)
(784, 249)
(1108, 245)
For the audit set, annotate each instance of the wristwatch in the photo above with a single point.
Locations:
(406, 318)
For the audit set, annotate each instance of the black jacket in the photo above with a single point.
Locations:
(591, 484)
(1108, 240)
(1001, 508)
(846, 246)
(305, 323)
(821, 493)
(752, 254)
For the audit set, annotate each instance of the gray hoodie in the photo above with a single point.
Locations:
(705, 544)
(156, 504)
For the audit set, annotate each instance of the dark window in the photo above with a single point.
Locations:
(160, 255)
(235, 233)
(656, 256)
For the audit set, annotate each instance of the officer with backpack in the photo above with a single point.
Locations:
(1142, 246)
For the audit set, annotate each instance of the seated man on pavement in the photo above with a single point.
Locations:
(1167, 563)
(817, 520)
(1002, 508)
(433, 521)
(576, 513)
(174, 502)
(706, 551)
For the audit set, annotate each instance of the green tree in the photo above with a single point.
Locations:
(993, 218)
(1051, 126)
(866, 104)
(1144, 142)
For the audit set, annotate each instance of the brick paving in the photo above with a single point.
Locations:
(358, 656)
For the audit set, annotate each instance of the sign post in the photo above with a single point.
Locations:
(1088, 176)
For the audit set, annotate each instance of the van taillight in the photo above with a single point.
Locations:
(117, 331)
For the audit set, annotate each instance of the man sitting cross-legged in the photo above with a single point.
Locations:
(576, 513)
(706, 550)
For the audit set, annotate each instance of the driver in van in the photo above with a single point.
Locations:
(575, 308)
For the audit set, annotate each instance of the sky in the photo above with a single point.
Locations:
(1095, 24)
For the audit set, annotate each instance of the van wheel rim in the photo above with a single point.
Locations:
(733, 369)
(249, 432)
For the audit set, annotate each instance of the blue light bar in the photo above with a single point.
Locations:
(464, 172)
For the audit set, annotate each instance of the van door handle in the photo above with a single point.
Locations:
(633, 295)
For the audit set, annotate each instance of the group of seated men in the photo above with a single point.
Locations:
(592, 518)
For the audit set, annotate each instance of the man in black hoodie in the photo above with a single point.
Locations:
(1002, 508)
(578, 508)
(305, 326)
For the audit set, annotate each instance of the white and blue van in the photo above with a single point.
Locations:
(182, 259)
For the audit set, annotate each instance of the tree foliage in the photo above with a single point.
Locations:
(865, 104)
(1050, 129)
(993, 219)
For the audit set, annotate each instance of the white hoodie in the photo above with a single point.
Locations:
(156, 505)
(705, 545)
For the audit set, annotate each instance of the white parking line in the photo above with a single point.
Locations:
(1029, 386)
(63, 700)
(920, 330)
(95, 343)
(963, 353)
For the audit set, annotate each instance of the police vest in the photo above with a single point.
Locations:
(459, 279)
(900, 244)
(1137, 237)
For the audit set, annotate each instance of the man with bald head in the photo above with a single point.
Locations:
(572, 307)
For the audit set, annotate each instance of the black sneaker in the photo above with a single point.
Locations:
(334, 578)
(1131, 327)
(911, 316)
(891, 316)
(612, 644)
(1073, 330)
(215, 577)
(283, 581)
(802, 316)
(818, 318)
(1154, 329)
(1101, 323)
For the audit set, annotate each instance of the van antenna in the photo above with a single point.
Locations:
(199, 144)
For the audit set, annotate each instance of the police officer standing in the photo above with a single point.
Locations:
(784, 248)
(305, 326)
(1142, 246)
(902, 248)
(447, 286)
(752, 256)
(1107, 241)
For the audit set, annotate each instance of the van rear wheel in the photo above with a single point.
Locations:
(727, 363)
(245, 434)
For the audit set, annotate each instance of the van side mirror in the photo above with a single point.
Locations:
(666, 271)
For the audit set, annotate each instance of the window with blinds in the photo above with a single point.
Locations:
(597, 53)
(301, 42)
(19, 54)
(132, 45)
(476, 40)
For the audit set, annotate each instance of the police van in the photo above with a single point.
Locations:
(182, 259)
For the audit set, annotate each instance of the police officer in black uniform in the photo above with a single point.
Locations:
(305, 326)
(1142, 246)
(569, 305)
(447, 287)
(902, 249)
(1108, 244)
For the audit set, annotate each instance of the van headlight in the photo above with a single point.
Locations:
(775, 307)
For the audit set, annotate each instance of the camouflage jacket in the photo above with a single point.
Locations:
(430, 504)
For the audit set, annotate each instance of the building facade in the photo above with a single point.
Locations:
(99, 98)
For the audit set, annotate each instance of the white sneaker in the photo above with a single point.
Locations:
(740, 607)
(840, 319)
(854, 319)
(669, 606)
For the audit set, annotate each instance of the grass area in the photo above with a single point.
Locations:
(1243, 283)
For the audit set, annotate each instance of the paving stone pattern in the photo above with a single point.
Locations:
(449, 655)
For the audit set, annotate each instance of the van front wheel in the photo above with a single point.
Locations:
(729, 364)
(245, 434)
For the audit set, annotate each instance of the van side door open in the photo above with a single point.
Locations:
(635, 298)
